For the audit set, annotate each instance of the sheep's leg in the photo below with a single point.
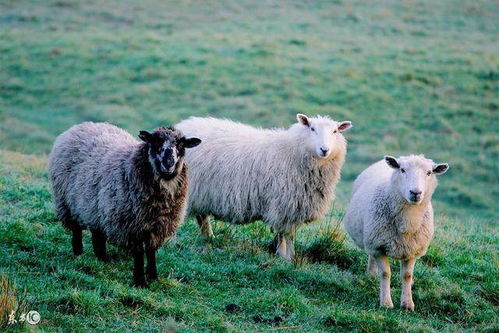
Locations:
(281, 245)
(285, 248)
(371, 266)
(290, 239)
(77, 240)
(204, 225)
(69, 223)
(138, 266)
(99, 245)
(385, 297)
(406, 275)
(151, 270)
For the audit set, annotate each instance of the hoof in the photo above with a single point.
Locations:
(386, 304)
(140, 284)
(407, 307)
(208, 239)
(104, 259)
(285, 257)
(152, 277)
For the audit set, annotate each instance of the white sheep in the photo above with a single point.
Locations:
(390, 215)
(284, 177)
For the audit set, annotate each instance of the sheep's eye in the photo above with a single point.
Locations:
(335, 131)
(402, 170)
(428, 173)
(312, 129)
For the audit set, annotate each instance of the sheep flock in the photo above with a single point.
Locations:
(136, 193)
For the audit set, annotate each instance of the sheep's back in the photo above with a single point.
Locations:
(372, 176)
(84, 161)
(241, 174)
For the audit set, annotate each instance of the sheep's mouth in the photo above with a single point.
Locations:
(415, 201)
(168, 175)
(322, 155)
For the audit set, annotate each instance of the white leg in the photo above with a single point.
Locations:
(406, 275)
(282, 249)
(204, 225)
(285, 246)
(371, 266)
(385, 273)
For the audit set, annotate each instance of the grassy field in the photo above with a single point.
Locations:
(412, 76)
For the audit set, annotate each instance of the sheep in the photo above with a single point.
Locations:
(284, 177)
(130, 193)
(391, 215)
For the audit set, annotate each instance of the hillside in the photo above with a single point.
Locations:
(412, 77)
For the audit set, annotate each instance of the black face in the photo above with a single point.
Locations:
(167, 149)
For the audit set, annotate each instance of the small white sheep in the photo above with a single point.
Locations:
(130, 193)
(390, 215)
(284, 177)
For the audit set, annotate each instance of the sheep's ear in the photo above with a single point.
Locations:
(303, 119)
(145, 136)
(440, 168)
(392, 162)
(344, 125)
(191, 142)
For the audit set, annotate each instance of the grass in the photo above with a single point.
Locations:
(456, 286)
(411, 76)
(11, 301)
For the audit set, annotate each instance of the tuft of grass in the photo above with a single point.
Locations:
(12, 303)
(361, 322)
(329, 247)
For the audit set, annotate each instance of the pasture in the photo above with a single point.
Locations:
(412, 76)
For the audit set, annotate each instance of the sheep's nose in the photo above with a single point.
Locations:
(324, 150)
(415, 195)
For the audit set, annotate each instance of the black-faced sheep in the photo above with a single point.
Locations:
(284, 177)
(130, 193)
(390, 215)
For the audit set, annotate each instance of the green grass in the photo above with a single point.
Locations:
(413, 77)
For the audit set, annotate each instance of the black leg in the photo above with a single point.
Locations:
(99, 244)
(152, 273)
(77, 241)
(138, 266)
(272, 247)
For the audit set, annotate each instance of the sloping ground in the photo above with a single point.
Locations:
(456, 283)
(413, 76)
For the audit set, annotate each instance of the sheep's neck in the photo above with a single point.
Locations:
(407, 218)
(142, 167)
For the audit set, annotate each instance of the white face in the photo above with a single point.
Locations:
(168, 157)
(415, 176)
(323, 133)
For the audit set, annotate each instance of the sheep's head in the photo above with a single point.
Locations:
(166, 149)
(414, 176)
(324, 134)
